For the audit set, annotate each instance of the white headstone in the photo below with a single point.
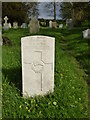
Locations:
(50, 24)
(15, 25)
(34, 25)
(9, 24)
(86, 33)
(37, 65)
(61, 26)
(24, 25)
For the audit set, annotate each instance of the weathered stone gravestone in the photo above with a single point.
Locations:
(24, 25)
(6, 26)
(61, 26)
(34, 25)
(15, 25)
(50, 24)
(86, 33)
(37, 65)
(54, 25)
(9, 24)
(69, 24)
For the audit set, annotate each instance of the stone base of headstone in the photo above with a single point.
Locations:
(6, 27)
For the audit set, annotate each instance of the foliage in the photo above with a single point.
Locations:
(19, 11)
(78, 11)
(69, 99)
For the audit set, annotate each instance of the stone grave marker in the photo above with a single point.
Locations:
(15, 25)
(54, 25)
(37, 65)
(61, 26)
(24, 25)
(50, 24)
(9, 24)
(6, 26)
(34, 25)
(86, 33)
(69, 24)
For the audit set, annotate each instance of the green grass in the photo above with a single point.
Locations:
(70, 97)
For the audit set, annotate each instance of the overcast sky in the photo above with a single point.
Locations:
(46, 13)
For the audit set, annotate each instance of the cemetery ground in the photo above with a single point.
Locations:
(70, 97)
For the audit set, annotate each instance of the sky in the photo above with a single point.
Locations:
(46, 13)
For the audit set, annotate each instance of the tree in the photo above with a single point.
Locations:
(18, 11)
(33, 9)
(51, 7)
(78, 11)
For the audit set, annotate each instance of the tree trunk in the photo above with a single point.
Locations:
(54, 11)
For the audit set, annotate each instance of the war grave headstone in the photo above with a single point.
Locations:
(50, 24)
(86, 33)
(34, 25)
(6, 26)
(37, 65)
(15, 25)
(54, 25)
(69, 24)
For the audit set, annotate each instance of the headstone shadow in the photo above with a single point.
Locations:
(14, 75)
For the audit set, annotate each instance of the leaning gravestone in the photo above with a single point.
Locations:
(50, 24)
(37, 65)
(15, 25)
(6, 26)
(34, 25)
(86, 33)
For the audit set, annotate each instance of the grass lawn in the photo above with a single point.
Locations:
(70, 97)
